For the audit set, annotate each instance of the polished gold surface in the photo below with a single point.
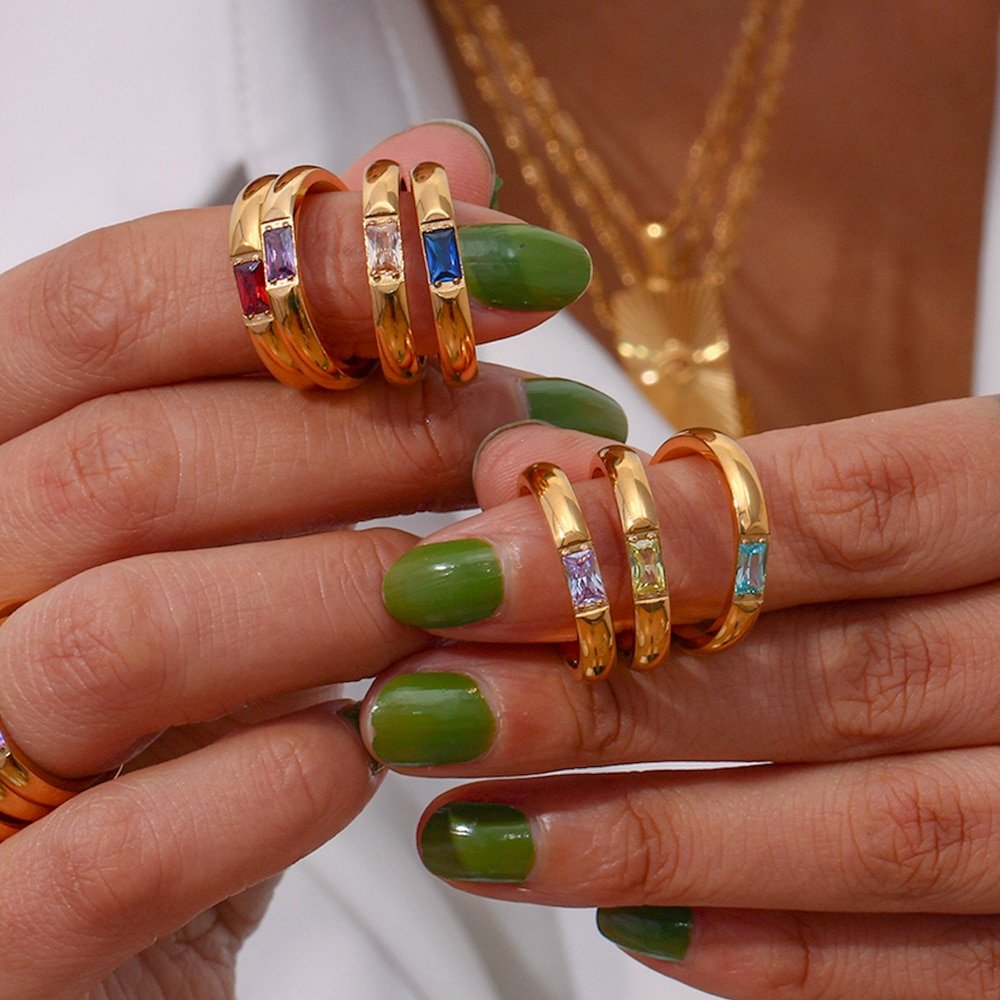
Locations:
(382, 230)
(749, 523)
(289, 304)
(449, 299)
(596, 654)
(245, 246)
(17, 807)
(647, 645)
(651, 260)
(9, 827)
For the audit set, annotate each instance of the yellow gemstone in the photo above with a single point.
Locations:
(645, 562)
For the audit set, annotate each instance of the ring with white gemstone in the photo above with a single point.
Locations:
(751, 534)
(283, 282)
(446, 279)
(386, 273)
(597, 655)
(649, 642)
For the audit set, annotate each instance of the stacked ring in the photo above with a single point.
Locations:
(247, 256)
(649, 642)
(386, 273)
(283, 283)
(596, 654)
(449, 296)
(751, 533)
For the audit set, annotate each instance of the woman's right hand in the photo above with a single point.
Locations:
(174, 525)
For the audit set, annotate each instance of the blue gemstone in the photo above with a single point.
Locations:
(443, 263)
(751, 569)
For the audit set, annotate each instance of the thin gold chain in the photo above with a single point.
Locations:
(696, 237)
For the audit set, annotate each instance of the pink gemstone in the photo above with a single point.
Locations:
(384, 249)
(250, 285)
(586, 588)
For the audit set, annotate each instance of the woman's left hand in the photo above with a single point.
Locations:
(863, 861)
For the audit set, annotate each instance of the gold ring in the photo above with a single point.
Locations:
(387, 274)
(14, 806)
(596, 656)
(8, 828)
(283, 283)
(449, 297)
(650, 638)
(247, 256)
(751, 533)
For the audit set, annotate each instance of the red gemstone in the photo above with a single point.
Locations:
(250, 285)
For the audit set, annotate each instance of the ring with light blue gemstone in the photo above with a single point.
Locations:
(751, 535)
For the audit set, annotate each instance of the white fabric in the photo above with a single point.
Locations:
(114, 109)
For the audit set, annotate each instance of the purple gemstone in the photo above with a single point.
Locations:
(586, 588)
(279, 253)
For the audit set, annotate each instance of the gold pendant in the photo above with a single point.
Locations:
(672, 341)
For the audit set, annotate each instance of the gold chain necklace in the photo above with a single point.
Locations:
(666, 317)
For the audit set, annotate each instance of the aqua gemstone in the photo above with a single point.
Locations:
(586, 587)
(443, 262)
(751, 569)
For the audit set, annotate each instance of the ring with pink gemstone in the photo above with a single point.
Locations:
(283, 285)
(401, 365)
(647, 644)
(751, 536)
(596, 655)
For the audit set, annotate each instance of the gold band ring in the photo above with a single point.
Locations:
(449, 297)
(751, 533)
(644, 551)
(387, 274)
(247, 256)
(595, 629)
(8, 828)
(14, 806)
(283, 283)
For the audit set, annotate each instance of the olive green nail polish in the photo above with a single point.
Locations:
(495, 196)
(517, 266)
(578, 407)
(444, 584)
(351, 712)
(425, 719)
(658, 931)
(478, 842)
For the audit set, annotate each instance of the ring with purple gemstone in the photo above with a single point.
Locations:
(596, 655)
(648, 643)
(283, 281)
(751, 534)
(449, 296)
(401, 365)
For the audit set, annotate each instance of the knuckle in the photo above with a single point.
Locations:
(608, 717)
(95, 295)
(118, 467)
(911, 836)
(881, 675)
(287, 763)
(975, 970)
(796, 967)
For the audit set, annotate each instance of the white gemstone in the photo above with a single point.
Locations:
(384, 249)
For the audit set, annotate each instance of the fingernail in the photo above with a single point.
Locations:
(478, 842)
(516, 266)
(495, 196)
(470, 130)
(575, 406)
(424, 719)
(658, 931)
(444, 584)
(351, 713)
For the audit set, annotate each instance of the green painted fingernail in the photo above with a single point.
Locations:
(658, 931)
(578, 407)
(495, 196)
(478, 842)
(517, 266)
(444, 584)
(424, 719)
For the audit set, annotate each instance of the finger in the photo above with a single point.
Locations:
(907, 834)
(870, 507)
(93, 669)
(132, 861)
(746, 954)
(152, 302)
(212, 462)
(818, 683)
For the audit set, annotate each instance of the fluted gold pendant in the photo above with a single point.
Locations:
(672, 341)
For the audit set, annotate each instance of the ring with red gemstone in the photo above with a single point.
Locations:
(445, 276)
(401, 365)
(596, 654)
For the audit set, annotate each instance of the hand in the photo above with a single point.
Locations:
(179, 524)
(862, 861)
